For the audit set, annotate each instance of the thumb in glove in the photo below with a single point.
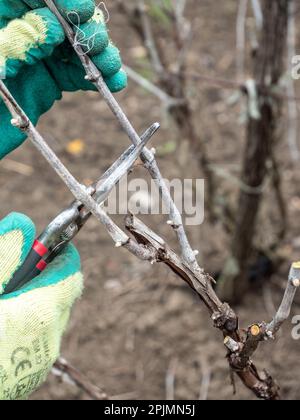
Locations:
(33, 319)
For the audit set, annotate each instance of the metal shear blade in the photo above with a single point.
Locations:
(69, 222)
(101, 189)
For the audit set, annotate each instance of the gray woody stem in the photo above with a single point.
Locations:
(79, 191)
(285, 308)
(69, 374)
(150, 247)
(166, 99)
(149, 39)
(94, 75)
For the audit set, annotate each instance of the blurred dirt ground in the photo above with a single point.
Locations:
(137, 325)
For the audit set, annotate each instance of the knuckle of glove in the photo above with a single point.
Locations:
(29, 40)
(92, 35)
(70, 9)
(94, 40)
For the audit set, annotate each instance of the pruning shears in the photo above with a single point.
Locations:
(70, 221)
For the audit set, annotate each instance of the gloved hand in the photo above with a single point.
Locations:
(33, 319)
(39, 64)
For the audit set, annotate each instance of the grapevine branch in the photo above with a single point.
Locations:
(95, 76)
(80, 192)
(148, 246)
(150, 41)
(68, 373)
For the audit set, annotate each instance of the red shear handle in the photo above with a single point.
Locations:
(33, 260)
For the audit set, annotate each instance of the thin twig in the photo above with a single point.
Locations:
(134, 395)
(276, 180)
(69, 374)
(80, 192)
(149, 40)
(240, 38)
(170, 379)
(210, 81)
(257, 11)
(292, 106)
(183, 35)
(235, 180)
(221, 83)
(20, 168)
(206, 379)
(285, 308)
(167, 100)
(94, 75)
(180, 6)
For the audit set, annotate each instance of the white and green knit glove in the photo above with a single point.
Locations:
(33, 319)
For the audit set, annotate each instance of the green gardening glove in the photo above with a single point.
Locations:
(33, 319)
(38, 63)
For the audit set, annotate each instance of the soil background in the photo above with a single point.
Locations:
(136, 325)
